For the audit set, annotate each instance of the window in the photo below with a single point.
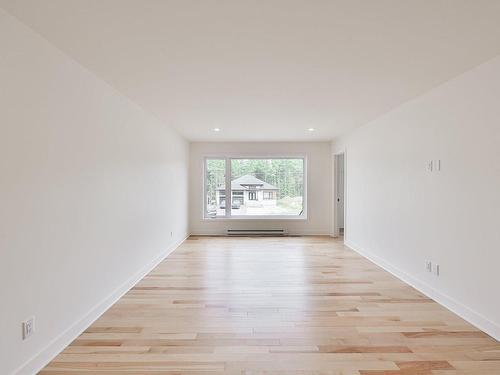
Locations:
(258, 187)
(268, 195)
(215, 191)
(222, 198)
(238, 198)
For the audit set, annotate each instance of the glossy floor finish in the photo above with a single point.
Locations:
(297, 305)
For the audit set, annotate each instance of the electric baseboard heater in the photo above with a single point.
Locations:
(256, 232)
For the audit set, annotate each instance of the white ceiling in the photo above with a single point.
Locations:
(267, 70)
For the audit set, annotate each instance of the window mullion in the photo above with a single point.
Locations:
(228, 187)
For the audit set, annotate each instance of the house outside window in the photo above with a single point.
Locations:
(259, 187)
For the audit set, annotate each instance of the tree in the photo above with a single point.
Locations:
(286, 174)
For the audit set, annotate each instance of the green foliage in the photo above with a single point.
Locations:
(286, 174)
(214, 177)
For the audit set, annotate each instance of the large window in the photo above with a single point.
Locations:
(257, 187)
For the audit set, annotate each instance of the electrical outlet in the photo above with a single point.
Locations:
(434, 165)
(28, 327)
(428, 266)
(171, 234)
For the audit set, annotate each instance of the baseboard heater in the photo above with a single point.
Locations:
(256, 232)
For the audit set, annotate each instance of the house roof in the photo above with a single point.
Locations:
(248, 182)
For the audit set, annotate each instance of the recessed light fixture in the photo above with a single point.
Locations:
(310, 129)
(216, 129)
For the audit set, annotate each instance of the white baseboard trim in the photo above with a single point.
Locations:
(466, 313)
(42, 358)
(223, 234)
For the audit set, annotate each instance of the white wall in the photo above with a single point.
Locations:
(400, 214)
(90, 188)
(318, 192)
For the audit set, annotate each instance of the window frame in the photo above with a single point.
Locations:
(228, 192)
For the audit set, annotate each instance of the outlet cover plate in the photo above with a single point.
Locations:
(28, 327)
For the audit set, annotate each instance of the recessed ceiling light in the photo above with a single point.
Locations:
(216, 129)
(310, 129)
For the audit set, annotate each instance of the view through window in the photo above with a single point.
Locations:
(215, 171)
(259, 187)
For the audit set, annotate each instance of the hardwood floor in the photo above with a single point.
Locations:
(299, 306)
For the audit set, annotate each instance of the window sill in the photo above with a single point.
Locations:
(251, 218)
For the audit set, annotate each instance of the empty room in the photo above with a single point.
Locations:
(250, 187)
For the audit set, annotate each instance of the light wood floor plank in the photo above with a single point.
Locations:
(263, 306)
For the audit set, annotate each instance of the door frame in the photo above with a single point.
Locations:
(336, 169)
